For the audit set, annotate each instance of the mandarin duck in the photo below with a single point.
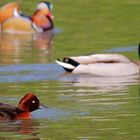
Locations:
(13, 21)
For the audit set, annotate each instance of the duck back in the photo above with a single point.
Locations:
(108, 69)
(101, 58)
(8, 112)
(18, 25)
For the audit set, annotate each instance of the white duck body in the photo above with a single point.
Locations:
(107, 69)
(103, 65)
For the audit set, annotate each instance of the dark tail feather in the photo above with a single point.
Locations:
(68, 64)
(70, 61)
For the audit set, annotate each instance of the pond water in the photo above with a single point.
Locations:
(81, 107)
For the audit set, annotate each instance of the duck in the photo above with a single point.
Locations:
(26, 105)
(13, 21)
(100, 65)
(7, 11)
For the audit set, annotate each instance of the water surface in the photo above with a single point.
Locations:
(82, 107)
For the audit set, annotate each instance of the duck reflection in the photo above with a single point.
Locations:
(28, 127)
(100, 83)
(25, 48)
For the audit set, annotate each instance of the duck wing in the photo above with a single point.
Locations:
(7, 11)
(101, 58)
(19, 24)
(8, 112)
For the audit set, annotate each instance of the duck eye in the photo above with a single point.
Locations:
(33, 101)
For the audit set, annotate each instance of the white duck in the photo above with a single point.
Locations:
(101, 64)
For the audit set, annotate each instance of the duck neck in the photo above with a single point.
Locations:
(24, 115)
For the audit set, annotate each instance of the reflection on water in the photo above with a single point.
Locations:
(16, 48)
(30, 127)
(39, 72)
(23, 127)
(80, 106)
(56, 114)
(100, 83)
(28, 72)
(35, 72)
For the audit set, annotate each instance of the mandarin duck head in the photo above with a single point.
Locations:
(42, 18)
(46, 7)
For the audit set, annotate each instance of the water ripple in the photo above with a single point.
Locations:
(28, 72)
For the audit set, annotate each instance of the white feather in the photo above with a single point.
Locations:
(65, 65)
(16, 13)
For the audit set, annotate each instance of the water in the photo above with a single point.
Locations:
(82, 107)
(79, 106)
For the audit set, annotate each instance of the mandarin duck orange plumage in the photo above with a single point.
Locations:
(7, 11)
(13, 21)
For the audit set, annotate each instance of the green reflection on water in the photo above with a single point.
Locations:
(87, 26)
(92, 114)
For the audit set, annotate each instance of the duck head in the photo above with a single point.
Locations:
(45, 5)
(29, 103)
(43, 18)
(46, 9)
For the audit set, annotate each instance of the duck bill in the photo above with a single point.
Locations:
(42, 106)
